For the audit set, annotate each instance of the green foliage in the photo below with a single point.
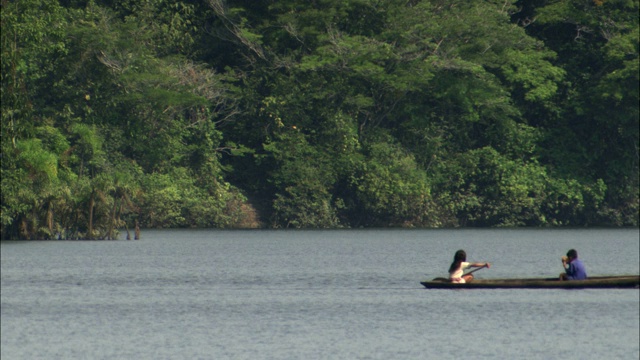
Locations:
(42, 165)
(175, 200)
(497, 191)
(597, 43)
(305, 205)
(162, 205)
(391, 189)
(303, 182)
(324, 114)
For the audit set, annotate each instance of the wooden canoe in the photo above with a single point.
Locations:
(625, 281)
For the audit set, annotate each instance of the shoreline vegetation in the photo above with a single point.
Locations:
(117, 116)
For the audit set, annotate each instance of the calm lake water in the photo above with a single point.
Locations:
(347, 294)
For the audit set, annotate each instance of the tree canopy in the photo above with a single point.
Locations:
(317, 114)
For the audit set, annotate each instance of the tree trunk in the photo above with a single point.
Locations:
(112, 219)
(24, 229)
(50, 219)
(122, 202)
(91, 205)
(137, 231)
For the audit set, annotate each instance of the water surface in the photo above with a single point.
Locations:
(345, 294)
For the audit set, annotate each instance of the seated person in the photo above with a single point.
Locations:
(573, 267)
(458, 265)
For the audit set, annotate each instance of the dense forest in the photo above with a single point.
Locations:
(119, 114)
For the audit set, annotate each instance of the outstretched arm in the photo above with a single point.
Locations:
(486, 264)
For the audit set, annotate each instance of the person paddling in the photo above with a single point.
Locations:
(458, 265)
(573, 267)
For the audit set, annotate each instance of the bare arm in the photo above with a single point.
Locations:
(479, 265)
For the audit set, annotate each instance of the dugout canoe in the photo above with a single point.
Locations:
(602, 282)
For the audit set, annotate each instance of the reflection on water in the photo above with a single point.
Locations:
(352, 294)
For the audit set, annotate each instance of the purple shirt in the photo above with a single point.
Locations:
(576, 270)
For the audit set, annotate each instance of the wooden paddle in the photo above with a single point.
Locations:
(470, 272)
(480, 268)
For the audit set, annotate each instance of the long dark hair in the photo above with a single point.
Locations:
(458, 258)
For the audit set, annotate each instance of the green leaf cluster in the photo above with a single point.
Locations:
(324, 114)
